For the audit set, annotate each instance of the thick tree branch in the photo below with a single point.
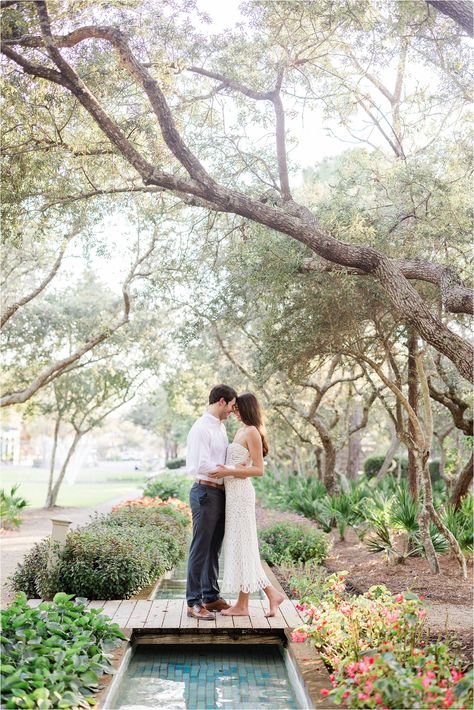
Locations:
(291, 219)
(456, 297)
(461, 11)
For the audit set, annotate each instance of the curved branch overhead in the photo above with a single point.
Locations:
(461, 11)
(285, 216)
(456, 297)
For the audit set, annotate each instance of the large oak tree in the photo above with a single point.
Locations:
(174, 152)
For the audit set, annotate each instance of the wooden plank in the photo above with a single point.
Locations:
(290, 614)
(201, 637)
(124, 612)
(242, 622)
(224, 622)
(139, 615)
(257, 615)
(96, 604)
(188, 622)
(278, 621)
(110, 607)
(172, 618)
(156, 614)
(202, 624)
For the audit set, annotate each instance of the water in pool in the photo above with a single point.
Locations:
(173, 585)
(204, 677)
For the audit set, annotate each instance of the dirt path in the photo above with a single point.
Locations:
(14, 544)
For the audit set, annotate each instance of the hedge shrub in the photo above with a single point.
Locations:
(175, 463)
(169, 485)
(110, 558)
(292, 542)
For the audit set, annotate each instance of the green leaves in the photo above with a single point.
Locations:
(54, 654)
(10, 506)
(289, 542)
(110, 558)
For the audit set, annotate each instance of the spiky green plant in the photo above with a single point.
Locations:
(461, 523)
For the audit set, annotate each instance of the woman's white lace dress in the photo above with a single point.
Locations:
(243, 570)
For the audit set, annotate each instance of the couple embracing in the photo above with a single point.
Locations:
(223, 507)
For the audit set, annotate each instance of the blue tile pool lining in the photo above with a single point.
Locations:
(198, 677)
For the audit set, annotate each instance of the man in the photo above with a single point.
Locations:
(206, 447)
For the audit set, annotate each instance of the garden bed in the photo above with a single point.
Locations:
(450, 597)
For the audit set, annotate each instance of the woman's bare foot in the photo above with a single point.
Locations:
(235, 611)
(275, 600)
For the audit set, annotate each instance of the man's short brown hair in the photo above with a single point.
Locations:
(222, 392)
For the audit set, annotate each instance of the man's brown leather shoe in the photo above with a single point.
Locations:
(217, 605)
(199, 612)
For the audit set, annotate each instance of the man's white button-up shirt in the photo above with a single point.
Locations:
(206, 447)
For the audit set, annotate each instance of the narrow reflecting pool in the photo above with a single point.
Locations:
(203, 677)
(173, 585)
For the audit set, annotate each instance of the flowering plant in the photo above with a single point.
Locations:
(374, 644)
(156, 502)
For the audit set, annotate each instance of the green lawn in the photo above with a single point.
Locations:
(92, 485)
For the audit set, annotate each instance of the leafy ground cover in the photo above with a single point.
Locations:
(53, 655)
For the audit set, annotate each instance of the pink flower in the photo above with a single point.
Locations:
(345, 609)
(400, 598)
(362, 696)
(449, 698)
(456, 675)
(325, 692)
(422, 613)
(425, 682)
(299, 636)
(378, 699)
(346, 694)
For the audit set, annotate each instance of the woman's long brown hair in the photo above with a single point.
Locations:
(252, 415)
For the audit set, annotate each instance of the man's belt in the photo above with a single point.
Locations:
(209, 483)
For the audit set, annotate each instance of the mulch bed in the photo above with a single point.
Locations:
(366, 569)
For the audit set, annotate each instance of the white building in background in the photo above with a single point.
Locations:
(10, 445)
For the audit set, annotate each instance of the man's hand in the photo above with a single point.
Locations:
(221, 471)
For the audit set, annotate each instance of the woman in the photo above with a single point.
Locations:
(243, 572)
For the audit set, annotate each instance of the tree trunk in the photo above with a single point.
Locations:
(392, 450)
(461, 11)
(413, 399)
(425, 472)
(461, 486)
(52, 497)
(354, 446)
(318, 452)
(329, 467)
(57, 425)
(424, 515)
